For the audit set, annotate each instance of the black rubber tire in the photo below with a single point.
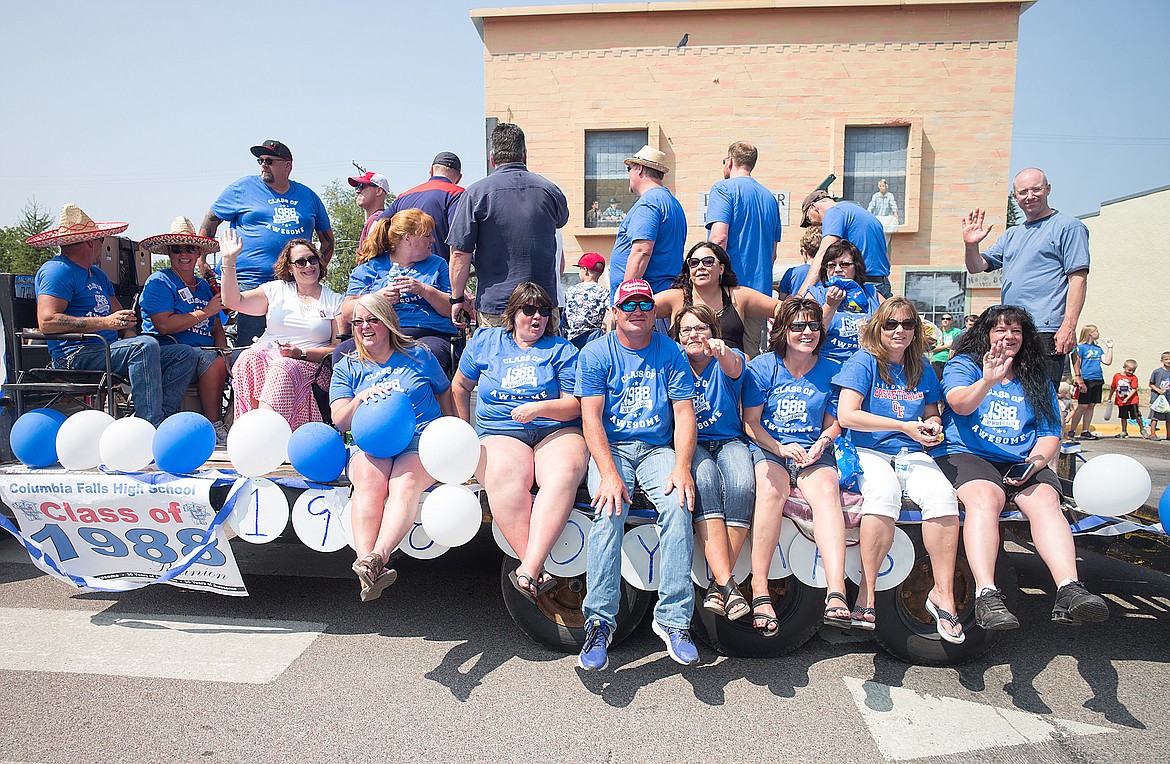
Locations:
(799, 609)
(906, 631)
(556, 621)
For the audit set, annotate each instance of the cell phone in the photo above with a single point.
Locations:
(1019, 472)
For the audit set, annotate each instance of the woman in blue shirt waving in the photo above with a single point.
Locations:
(385, 490)
(1002, 428)
(722, 463)
(889, 400)
(531, 425)
(789, 412)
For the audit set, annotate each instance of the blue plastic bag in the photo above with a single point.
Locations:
(848, 465)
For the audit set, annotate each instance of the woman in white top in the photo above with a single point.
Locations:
(278, 371)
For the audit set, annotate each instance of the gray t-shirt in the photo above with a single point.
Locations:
(1161, 378)
(1037, 259)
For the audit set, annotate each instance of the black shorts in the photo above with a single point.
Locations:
(1129, 411)
(1093, 393)
(961, 469)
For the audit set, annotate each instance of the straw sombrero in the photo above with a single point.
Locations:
(74, 226)
(182, 232)
(649, 157)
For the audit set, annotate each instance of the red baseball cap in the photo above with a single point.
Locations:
(633, 288)
(592, 261)
(371, 179)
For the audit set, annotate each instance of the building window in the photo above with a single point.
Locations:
(874, 154)
(607, 185)
(936, 293)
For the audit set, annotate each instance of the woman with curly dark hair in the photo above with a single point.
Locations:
(708, 279)
(1002, 430)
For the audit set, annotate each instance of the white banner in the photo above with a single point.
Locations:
(115, 533)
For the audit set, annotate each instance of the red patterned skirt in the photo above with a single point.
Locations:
(285, 384)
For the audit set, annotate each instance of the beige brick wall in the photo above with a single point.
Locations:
(784, 79)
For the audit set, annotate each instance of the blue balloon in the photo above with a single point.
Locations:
(183, 442)
(384, 424)
(34, 437)
(1164, 510)
(317, 451)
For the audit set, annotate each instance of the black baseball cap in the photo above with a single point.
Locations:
(271, 148)
(447, 159)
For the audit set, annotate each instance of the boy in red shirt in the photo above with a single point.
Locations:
(1124, 390)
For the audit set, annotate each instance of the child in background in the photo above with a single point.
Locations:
(1159, 386)
(1064, 399)
(1124, 389)
(1087, 359)
(586, 302)
(810, 242)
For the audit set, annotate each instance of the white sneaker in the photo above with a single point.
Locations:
(221, 434)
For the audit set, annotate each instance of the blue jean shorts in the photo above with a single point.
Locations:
(826, 459)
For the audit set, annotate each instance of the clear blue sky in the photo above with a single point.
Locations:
(140, 111)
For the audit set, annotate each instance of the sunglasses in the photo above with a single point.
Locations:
(305, 262)
(706, 262)
(269, 160)
(178, 249)
(629, 306)
(842, 264)
(697, 328)
(948, 318)
(531, 310)
(362, 187)
(800, 326)
(891, 324)
(371, 321)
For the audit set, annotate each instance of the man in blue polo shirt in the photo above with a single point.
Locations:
(852, 222)
(437, 197)
(636, 390)
(653, 234)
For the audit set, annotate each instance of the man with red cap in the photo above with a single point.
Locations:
(74, 296)
(585, 303)
(371, 189)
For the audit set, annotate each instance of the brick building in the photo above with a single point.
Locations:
(919, 92)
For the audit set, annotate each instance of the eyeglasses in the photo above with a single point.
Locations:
(269, 160)
(178, 249)
(371, 321)
(305, 262)
(842, 264)
(531, 310)
(629, 306)
(696, 329)
(800, 326)
(706, 262)
(892, 324)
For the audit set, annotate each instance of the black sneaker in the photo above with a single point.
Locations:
(1076, 605)
(992, 614)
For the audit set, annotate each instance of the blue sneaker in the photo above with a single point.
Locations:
(678, 644)
(595, 652)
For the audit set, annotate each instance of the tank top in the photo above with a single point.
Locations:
(730, 323)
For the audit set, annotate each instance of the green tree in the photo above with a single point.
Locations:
(1013, 212)
(347, 220)
(15, 255)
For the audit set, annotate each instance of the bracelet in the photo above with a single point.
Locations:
(227, 267)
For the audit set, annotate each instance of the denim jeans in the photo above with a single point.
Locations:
(649, 467)
(159, 375)
(725, 481)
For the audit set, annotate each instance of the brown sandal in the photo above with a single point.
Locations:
(368, 568)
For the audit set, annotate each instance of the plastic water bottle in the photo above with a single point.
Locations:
(902, 467)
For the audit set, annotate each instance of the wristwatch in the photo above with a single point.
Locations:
(455, 300)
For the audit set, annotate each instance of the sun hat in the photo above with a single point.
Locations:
(74, 226)
(592, 261)
(648, 157)
(182, 232)
(372, 179)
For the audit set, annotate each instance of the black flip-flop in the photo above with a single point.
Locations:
(515, 576)
(545, 583)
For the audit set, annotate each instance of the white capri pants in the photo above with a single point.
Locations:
(925, 485)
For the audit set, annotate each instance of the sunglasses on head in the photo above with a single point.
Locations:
(371, 321)
(268, 160)
(178, 249)
(305, 262)
(891, 324)
(706, 262)
(800, 326)
(531, 310)
(629, 306)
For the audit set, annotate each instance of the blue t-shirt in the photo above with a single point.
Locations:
(794, 409)
(896, 401)
(165, 292)
(843, 340)
(1036, 259)
(87, 291)
(658, 217)
(412, 309)
(413, 371)
(1003, 429)
(1090, 354)
(638, 386)
(752, 215)
(510, 376)
(852, 222)
(717, 402)
(266, 221)
(792, 279)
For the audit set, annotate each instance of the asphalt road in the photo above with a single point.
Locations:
(436, 670)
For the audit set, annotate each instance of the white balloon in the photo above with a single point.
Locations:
(451, 515)
(416, 543)
(449, 450)
(641, 561)
(1109, 485)
(806, 562)
(570, 554)
(79, 439)
(261, 511)
(893, 570)
(258, 442)
(701, 573)
(126, 444)
(316, 518)
(501, 542)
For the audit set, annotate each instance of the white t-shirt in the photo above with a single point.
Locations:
(290, 320)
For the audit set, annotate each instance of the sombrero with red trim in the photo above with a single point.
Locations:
(72, 227)
(182, 232)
